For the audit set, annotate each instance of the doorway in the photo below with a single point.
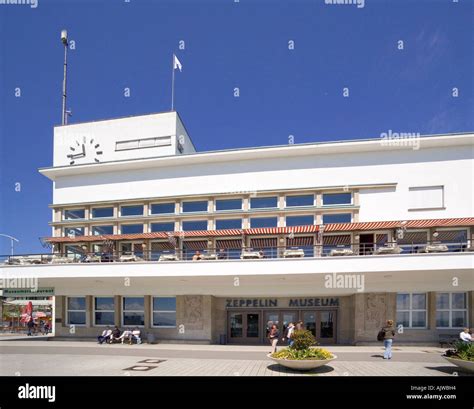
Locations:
(322, 325)
(244, 327)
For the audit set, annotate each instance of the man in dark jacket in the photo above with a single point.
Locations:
(389, 331)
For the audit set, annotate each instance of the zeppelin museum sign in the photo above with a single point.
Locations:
(281, 303)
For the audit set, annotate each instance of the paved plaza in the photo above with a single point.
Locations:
(40, 357)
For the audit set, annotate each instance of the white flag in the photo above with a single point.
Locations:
(176, 63)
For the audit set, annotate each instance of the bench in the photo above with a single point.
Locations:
(447, 339)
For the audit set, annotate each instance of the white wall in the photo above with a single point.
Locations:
(107, 133)
(448, 166)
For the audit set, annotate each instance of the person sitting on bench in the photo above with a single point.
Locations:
(136, 335)
(106, 334)
(126, 335)
(115, 337)
(465, 336)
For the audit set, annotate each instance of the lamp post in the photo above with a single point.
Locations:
(66, 44)
(12, 239)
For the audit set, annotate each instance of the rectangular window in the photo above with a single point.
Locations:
(300, 200)
(73, 231)
(191, 225)
(263, 202)
(131, 228)
(133, 311)
(104, 311)
(155, 227)
(76, 310)
(334, 199)
(228, 224)
(303, 220)
(162, 208)
(98, 212)
(337, 218)
(71, 214)
(451, 310)
(426, 197)
(98, 230)
(228, 204)
(164, 312)
(256, 222)
(199, 206)
(131, 210)
(411, 310)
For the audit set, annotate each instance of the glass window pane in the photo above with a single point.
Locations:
(164, 319)
(418, 319)
(263, 202)
(162, 208)
(229, 204)
(76, 303)
(403, 318)
(74, 214)
(229, 224)
(337, 218)
(195, 225)
(104, 318)
(98, 230)
(458, 300)
(403, 301)
(162, 227)
(102, 212)
(459, 319)
(263, 222)
(133, 318)
(442, 319)
(337, 198)
(309, 319)
(236, 325)
(131, 228)
(200, 206)
(418, 302)
(164, 303)
(77, 317)
(104, 303)
(131, 210)
(301, 200)
(299, 220)
(74, 231)
(133, 303)
(442, 301)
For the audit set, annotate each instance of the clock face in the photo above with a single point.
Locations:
(85, 150)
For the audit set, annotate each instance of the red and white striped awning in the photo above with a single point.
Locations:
(161, 245)
(455, 236)
(334, 227)
(300, 241)
(264, 242)
(195, 244)
(381, 239)
(337, 240)
(229, 244)
(410, 237)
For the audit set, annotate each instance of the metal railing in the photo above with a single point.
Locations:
(244, 253)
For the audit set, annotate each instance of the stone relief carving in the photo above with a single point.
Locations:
(193, 306)
(375, 311)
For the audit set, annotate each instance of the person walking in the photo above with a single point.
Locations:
(389, 334)
(299, 326)
(289, 333)
(273, 337)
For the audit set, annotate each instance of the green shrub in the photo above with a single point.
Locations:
(465, 351)
(299, 354)
(302, 340)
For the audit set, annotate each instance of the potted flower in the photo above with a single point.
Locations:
(462, 355)
(302, 354)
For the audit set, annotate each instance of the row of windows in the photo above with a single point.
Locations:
(451, 310)
(220, 224)
(133, 311)
(270, 202)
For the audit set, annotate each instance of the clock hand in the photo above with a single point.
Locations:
(83, 149)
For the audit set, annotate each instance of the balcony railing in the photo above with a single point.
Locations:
(244, 253)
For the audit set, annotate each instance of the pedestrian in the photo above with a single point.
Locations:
(273, 337)
(106, 334)
(299, 326)
(31, 326)
(289, 333)
(389, 334)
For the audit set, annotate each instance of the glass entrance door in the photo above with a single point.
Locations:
(243, 327)
(322, 325)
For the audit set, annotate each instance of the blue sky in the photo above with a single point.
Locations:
(228, 45)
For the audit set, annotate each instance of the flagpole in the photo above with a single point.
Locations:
(172, 85)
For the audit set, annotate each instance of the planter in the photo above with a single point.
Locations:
(466, 365)
(302, 364)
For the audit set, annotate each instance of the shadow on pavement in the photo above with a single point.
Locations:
(451, 370)
(282, 369)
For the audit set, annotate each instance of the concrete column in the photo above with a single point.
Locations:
(281, 201)
(246, 204)
(148, 312)
(210, 206)
(470, 311)
(281, 220)
(319, 199)
(177, 208)
(431, 300)
(118, 310)
(89, 311)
